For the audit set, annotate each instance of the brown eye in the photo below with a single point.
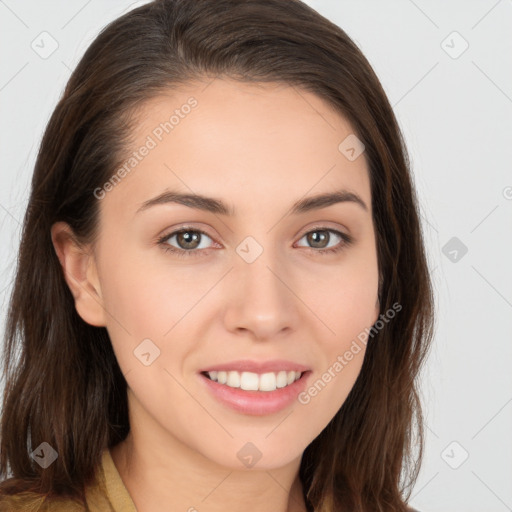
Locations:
(185, 241)
(188, 239)
(318, 239)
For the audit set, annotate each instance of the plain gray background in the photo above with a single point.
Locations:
(446, 68)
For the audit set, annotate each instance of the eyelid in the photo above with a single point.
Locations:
(324, 226)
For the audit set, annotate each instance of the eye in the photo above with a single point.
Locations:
(186, 239)
(321, 237)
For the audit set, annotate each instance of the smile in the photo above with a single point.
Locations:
(250, 381)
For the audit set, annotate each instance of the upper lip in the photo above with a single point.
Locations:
(246, 365)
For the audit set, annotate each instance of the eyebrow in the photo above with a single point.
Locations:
(216, 206)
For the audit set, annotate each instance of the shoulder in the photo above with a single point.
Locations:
(33, 502)
(105, 492)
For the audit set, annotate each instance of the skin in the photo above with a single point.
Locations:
(259, 148)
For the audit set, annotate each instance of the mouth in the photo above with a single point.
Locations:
(251, 381)
(256, 394)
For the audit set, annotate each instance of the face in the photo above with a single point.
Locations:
(259, 280)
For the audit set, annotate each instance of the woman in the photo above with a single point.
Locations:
(222, 298)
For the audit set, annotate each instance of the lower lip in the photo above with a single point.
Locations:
(256, 403)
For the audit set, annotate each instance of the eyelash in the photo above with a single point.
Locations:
(182, 253)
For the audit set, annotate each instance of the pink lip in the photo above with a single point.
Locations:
(256, 403)
(245, 365)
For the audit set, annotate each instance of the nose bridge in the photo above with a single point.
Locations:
(262, 302)
(257, 270)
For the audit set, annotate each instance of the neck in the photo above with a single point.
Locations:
(165, 474)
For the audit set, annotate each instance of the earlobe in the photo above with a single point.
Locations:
(79, 270)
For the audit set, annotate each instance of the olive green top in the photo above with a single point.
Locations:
(108, 495)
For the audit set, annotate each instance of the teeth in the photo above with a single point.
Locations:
(282, 379)
(250, 381)
(233, 380)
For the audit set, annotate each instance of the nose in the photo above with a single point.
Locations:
(261, 299)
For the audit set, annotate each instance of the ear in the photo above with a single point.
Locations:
(80, 273)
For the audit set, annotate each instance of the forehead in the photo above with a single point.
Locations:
(224, 137)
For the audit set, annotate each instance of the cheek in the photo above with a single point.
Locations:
(158, 309)
(342, 353)
(147, 296)
(346, 299)
(347, 305)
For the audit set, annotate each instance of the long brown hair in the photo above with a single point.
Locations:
(62, 381)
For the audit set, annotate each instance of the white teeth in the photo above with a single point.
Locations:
(282, 379)
(267, 382)
(233, 380)
(250, 381)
